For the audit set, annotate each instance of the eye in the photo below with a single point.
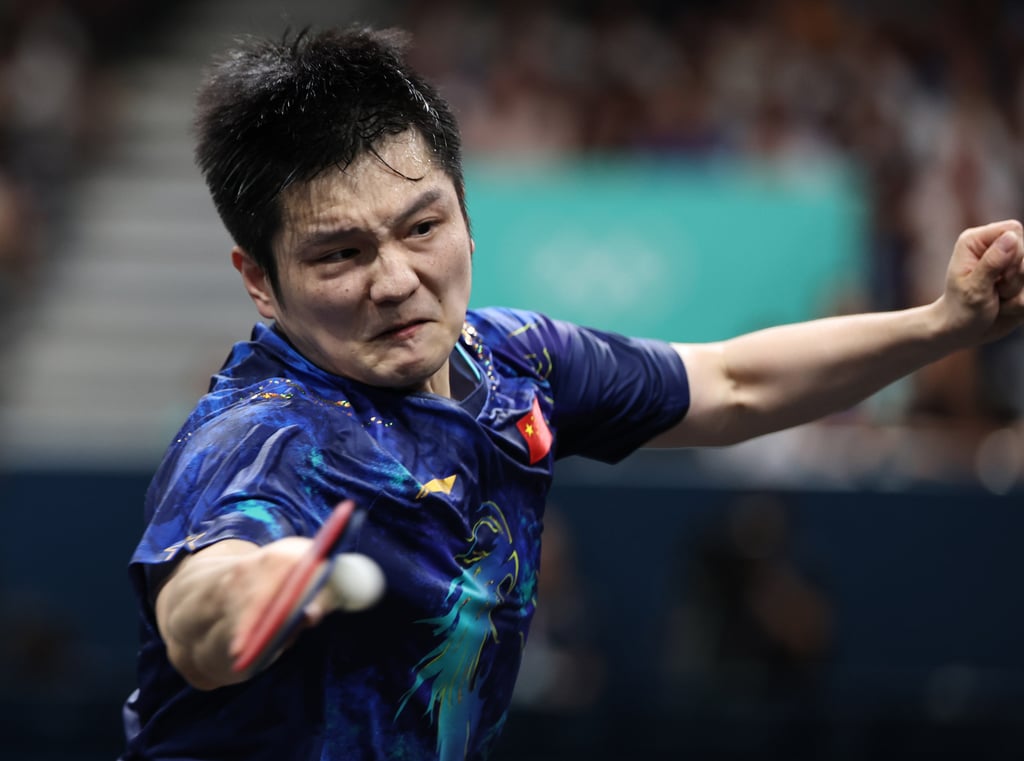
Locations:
(423, 228)
(339, 255)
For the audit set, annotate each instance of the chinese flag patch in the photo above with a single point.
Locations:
(536, 432)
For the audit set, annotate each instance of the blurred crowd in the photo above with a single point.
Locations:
(925, 99)
(55, 107)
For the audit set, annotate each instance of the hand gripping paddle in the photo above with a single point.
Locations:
(282, 615)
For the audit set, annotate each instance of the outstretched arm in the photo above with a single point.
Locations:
(781, 377)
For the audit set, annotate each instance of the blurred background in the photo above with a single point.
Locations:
(685, 170)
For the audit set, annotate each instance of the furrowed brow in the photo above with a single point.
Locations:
(328, 235)
(325, 237)
(418, 204)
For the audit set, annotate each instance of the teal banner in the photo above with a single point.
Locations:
(675, 251)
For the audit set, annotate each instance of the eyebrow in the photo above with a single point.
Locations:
(324, 236)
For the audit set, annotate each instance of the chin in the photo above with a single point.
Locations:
(414, 377)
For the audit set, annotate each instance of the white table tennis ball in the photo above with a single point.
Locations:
(356, 582)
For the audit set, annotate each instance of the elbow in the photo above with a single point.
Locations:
(730, 402)
(727, 406)
(740, 419)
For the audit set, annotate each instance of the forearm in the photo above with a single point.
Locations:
(793, 374)
(785, 376)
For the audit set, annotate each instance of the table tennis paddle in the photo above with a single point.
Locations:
(283, 613)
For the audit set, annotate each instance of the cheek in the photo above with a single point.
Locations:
(460, 268)
(331, 295)
(456, 288)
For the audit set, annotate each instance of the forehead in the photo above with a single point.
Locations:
(370, 185)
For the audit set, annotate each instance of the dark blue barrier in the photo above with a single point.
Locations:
(919, 591)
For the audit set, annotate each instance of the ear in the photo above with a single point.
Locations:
(472, 247)
(257, 285)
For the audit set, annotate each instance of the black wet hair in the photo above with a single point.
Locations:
(271, 114)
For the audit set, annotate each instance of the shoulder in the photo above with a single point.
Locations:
(246, 404)
(266, 379)
(501, 322)
(276, 413)
(502, 327)
(522, 341)
(262, 441)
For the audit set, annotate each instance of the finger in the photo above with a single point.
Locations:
(1001, 258)
(323, 602)
(1012, 283)
(978, 240)
(988, 233)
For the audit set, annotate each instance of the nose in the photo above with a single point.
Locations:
(394, 277)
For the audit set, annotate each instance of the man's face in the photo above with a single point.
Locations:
(374, 269)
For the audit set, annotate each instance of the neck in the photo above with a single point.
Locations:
(440, 383)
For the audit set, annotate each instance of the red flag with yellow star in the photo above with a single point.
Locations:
(536, 432)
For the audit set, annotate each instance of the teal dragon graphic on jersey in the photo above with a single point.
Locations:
(457, 666)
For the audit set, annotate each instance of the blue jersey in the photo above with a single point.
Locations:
(453, 493)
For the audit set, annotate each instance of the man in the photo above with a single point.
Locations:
(337, 171)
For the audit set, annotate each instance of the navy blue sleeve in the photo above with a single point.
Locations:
(612, 393)
(224, 484)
